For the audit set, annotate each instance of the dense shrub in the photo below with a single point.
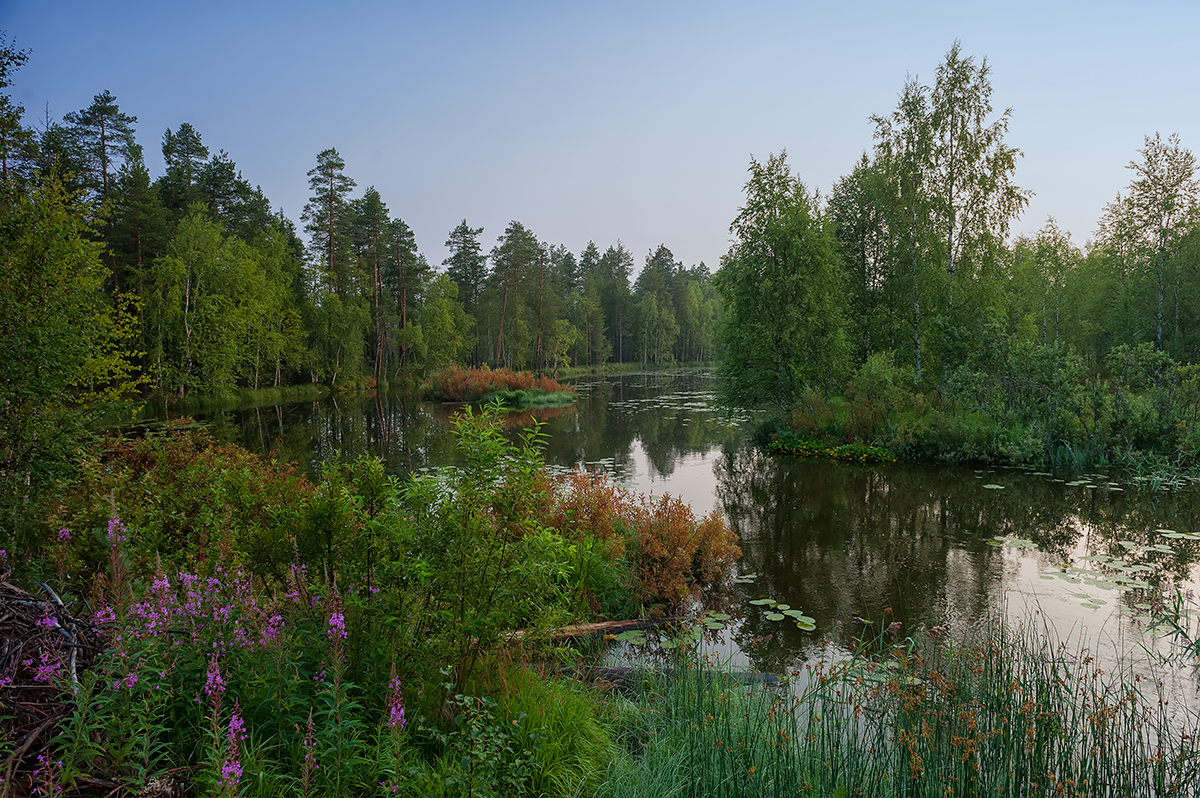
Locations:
(458, 384)
(190, 498)
(670, 553)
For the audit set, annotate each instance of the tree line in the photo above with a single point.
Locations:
(226, 295)
(904, 278)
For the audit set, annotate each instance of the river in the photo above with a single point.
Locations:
(854, 547)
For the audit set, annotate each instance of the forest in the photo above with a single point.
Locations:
(184, 617)
(221, 293)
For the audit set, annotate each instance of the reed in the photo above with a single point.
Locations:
(1009, 711)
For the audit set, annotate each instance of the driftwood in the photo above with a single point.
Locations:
(42, 649)
(589, 629)
(628, 676)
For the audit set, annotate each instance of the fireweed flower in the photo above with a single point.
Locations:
(64, 535)
(396, 705)
(44, 775)
(48, 667)
(214, 683)
(337, 626)
(116, 531)
(310, 765)
(128, 682)
(231, 767)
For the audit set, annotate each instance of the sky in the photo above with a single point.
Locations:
(630, 121)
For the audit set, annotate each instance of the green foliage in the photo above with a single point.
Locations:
(62, 341)
(787, 444)
(479, 559)
(564, 728)
(782, 284)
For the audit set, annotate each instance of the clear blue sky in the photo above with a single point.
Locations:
(615, 120)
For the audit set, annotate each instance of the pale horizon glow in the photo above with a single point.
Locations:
(623, 121)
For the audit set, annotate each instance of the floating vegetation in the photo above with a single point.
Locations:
(785, 444)
(779, 612)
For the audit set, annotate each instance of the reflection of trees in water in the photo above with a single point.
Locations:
(844, 542)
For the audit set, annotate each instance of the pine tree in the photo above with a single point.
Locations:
(104, 138)
(326, 216)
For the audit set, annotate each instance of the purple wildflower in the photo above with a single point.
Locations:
(48, 667)
(310, 765)
(231, 767)
(337, 626)
(395, 703)
(116, 531)
(214, 684)
(128, 682)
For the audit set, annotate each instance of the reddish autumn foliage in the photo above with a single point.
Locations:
(457, 384)
(672, 553)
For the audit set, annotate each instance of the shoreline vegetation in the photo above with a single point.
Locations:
(212, 622)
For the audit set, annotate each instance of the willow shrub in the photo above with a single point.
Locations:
(190, 497)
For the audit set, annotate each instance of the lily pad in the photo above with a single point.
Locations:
(634, 637)
(763, 602)
(774, 616)
(994, 486)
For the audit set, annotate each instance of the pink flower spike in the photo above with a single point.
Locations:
(214, 684)
(337, 626)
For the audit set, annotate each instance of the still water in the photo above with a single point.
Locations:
(854, 547)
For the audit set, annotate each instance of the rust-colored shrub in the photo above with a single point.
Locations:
(588, 504)
(189, 496)
(672, 553)
(458, 384)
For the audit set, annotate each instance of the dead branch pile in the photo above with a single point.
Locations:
(43, 648)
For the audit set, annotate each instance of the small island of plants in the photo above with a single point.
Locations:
(484, 384)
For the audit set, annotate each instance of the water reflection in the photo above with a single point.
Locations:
(858, 548)
(846, 545)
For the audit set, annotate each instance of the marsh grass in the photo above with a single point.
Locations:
(1008, 712)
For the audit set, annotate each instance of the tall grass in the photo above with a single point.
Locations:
(1011, 712)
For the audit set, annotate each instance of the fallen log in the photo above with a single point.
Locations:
(589, 629)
